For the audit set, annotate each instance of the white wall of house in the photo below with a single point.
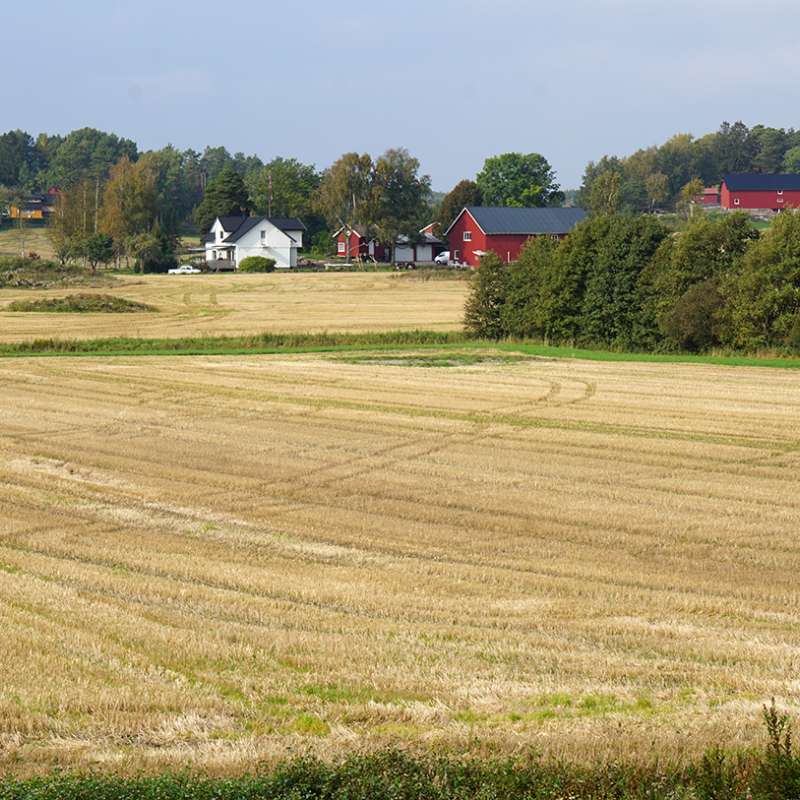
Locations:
(270, 242)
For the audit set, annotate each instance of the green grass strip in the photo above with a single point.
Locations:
(274, 343)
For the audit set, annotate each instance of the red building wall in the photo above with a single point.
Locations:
(359, 247)
(459, 249)
(506, 246)
(759, 199)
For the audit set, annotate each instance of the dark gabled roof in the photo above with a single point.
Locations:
(209, 238)
(495, 220)
(287, 223)
(232, 223)
(247, 225)
(756, 182)
(281, 223)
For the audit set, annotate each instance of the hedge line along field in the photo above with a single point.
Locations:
(237, 304)
(220, 562)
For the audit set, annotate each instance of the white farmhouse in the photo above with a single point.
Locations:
(232, 239)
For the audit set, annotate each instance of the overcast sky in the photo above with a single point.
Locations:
(454, 81)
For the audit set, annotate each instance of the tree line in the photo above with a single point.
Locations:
(628, 282)
(669, 175)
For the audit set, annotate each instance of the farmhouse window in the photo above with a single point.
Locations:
(341, 247)
(736, 201)
(467, 236)
(780, 191)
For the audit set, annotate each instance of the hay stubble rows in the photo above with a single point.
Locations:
(221, 559)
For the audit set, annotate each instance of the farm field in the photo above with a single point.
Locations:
(194, 305)
(219, 561)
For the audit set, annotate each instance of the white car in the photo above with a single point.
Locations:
(184, 269)
(443, 259)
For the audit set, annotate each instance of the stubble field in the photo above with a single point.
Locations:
(240, 304)
(217, 561)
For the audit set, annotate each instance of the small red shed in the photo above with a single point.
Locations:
(478, 230)
(355, 243)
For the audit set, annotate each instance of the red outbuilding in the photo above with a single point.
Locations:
(355, 243)
(478, 230)
(763, 192)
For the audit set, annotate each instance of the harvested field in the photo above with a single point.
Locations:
(195, 305)
(222, 560)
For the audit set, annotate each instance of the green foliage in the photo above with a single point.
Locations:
(693, 321)
(772, 774)
(257, 264)
(87, 153)
(483, 313)
(791, 161)
(98, 248)
(225, 195)
(763, 293)
(519, 179)
(81, 304)
(464, 193)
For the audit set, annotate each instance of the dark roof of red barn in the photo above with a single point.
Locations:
(495, 220)
(757, 182)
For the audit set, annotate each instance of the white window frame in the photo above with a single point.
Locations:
(341, 247)
(467, 236)
(736, 201)
(780, 192)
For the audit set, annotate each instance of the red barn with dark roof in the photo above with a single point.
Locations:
(763, 192)
(478, 230)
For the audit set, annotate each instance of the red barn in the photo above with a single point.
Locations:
(763, 192)
(478, 230)
(359, 245)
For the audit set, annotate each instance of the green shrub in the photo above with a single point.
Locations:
(80, 304)
(257, 264)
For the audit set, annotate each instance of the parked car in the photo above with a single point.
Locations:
(184, 269)
(443, 259)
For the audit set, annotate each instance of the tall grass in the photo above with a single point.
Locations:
(773, 774)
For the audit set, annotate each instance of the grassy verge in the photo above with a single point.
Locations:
(271, 343)
(80, 304)
(393, 775)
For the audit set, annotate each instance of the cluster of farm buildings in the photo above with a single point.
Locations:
(476, 230)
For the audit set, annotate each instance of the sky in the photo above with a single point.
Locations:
(452, 81)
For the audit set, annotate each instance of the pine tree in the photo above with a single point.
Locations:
(226, 195)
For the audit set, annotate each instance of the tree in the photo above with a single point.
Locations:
(464, 193)
(130, 201)
(345, 197)
(400, 196)
(692, 322)
(225, 195)
(604, 195)
(762, 295)
(791, 161)
(657, 187)
(284, 187)
(19, 159)
(526, 311)
(88, 153)
(98, 248)
(687, 196)
(483, 313)
(517, 179)
(771, 144)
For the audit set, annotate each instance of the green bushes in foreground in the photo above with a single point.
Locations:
(257, 264)
(628, 283)
(771, 774)
(81, 304)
